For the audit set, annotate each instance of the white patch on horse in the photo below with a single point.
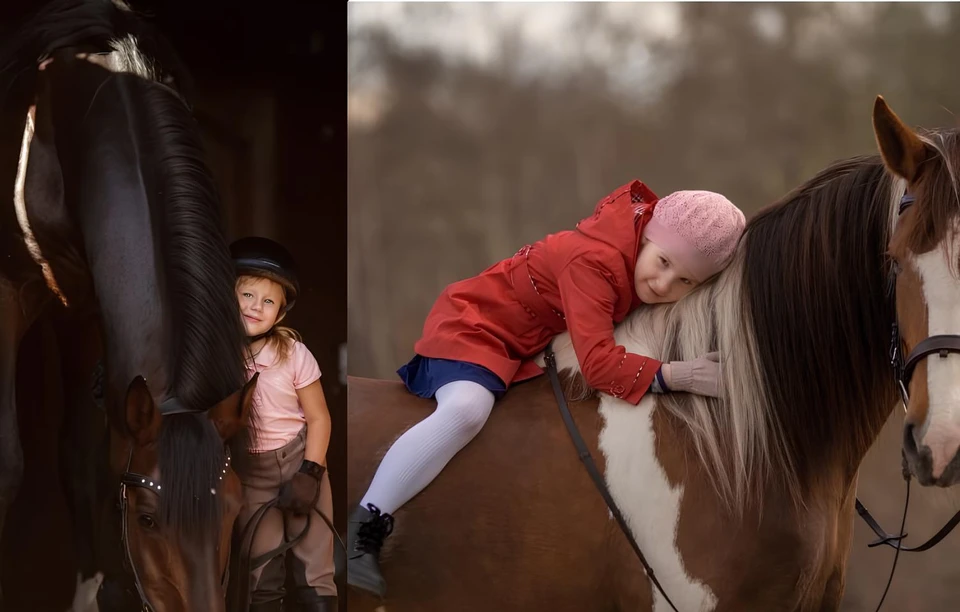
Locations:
(640, 487)
(85, 595)
(941, 290)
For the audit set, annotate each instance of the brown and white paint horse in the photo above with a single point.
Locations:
(740, 503)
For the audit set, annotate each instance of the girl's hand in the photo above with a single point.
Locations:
(700, 375)
(300, 494)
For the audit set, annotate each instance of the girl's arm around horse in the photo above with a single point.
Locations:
(589, 301)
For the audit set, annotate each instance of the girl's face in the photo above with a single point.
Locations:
(260, 302)
(659, 279)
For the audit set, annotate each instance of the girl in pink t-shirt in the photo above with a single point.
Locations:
(288, 455)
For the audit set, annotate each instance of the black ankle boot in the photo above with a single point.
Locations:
(274, 605)
(307, 600)
(366, 530)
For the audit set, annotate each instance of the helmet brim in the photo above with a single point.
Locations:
(291, 291)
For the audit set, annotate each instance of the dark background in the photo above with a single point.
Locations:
(269, 86)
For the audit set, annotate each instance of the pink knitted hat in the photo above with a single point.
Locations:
(699, 229)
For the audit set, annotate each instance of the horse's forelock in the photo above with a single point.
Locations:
(191, 457)
(938, 210)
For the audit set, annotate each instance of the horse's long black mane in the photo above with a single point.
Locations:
(816, 283)
(206, 361)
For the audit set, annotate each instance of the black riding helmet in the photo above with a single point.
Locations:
(257, 256)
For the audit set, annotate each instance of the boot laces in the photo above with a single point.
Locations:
(371, 533)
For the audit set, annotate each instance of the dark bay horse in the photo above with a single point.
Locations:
(745, 502)
(114, 232)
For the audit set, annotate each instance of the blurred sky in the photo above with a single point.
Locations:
(469, 29)
(552, 34)
(471, 32)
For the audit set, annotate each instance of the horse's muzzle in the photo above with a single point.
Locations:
(932, 458)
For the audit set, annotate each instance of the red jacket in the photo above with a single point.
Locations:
(580, 280)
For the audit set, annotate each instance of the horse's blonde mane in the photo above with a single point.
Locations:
(735, 436)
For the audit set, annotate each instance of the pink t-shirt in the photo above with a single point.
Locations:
(275, 400)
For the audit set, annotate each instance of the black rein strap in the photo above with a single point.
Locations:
(238, 594)
(893, 541)
(584, 453)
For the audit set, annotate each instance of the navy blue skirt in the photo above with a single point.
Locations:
(424, 375)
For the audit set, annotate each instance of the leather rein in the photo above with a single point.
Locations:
(584, 453)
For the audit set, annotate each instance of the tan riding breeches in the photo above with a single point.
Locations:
(310, 562)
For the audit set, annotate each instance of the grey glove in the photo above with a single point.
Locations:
(700, 375)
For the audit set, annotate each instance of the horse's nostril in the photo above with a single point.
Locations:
(909, 442)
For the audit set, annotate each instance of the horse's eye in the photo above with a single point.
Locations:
(146, 521)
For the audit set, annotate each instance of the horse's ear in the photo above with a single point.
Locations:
(142, 416)
(902, 150)
(231, 414)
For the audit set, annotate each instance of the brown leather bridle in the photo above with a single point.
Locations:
(133, 479)
(942, 345)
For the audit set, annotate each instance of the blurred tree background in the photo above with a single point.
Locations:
(456, 162)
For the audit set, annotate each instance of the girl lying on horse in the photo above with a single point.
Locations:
(482, 333)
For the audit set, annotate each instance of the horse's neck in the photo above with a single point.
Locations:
(113, 199)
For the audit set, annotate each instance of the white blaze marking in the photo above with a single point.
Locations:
(941, 290)
(85, 595)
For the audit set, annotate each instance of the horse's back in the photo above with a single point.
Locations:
(522, 430)
(378, 411)
(511, 523)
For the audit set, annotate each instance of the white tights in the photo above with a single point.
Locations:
(422, 451)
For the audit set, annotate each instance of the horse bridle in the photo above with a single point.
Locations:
(246, 562)
(942, 345)
(133, 479)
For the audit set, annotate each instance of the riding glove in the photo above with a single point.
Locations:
(700, 375)
(300, 493)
